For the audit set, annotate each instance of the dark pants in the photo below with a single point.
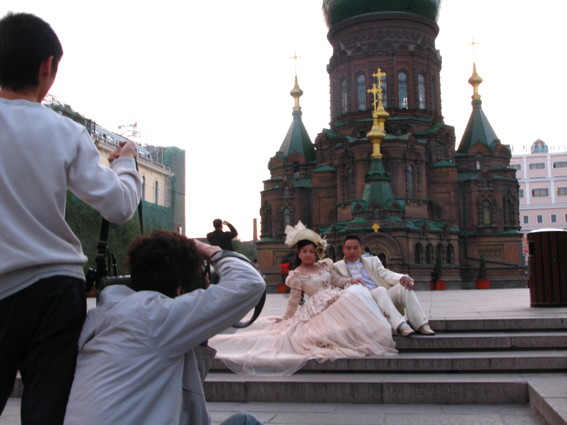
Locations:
(39, 329)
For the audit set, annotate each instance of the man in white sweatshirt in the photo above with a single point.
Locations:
(42, 155)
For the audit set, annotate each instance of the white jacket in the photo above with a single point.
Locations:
(380, 275)
(133, 347)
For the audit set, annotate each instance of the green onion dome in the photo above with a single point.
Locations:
(336, 11)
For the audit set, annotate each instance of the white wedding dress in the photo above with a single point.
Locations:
(333, 323)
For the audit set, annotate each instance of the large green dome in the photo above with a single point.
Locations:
(336, 11)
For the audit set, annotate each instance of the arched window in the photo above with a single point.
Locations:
(439, 252)
(429, 254)
(450, 254)
(375, 213)
(421, 91)
(433, 94)
(486, 213)
(296, 169)
(286, 217)
(332, 253)
(384, 81)
(411, 189)
(361, 92)
(344, 97)
(143, 188)
(349, 184)
(418, 253)
(403, 90)
(479, 161)
(266, 215)
(156, 191)
(509, 218)
(286, 191)
(484, 183)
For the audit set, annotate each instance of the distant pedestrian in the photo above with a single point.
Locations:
(368, 252)
(220, 238)
(434, 278)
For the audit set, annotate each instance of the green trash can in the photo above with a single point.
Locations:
(548, 268)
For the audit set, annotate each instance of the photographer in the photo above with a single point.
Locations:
(42, 282)
(136, 350)
(220, 238)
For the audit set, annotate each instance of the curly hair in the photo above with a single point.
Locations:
(163, 262)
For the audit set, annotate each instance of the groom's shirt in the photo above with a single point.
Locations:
(356, 269)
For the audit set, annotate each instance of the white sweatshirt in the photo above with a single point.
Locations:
(132, 364)
(42, 154)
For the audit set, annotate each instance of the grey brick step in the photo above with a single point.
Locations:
(419, 363)
(370, 388)
(496, 324)
(478, 341)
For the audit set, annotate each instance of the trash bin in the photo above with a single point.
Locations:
(547, 267)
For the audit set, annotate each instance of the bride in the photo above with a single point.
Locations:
(339, 319)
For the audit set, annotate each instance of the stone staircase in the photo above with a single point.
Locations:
(473, 361)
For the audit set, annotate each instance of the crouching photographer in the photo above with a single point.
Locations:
(137, 362)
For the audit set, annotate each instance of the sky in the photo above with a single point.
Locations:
(214, 78)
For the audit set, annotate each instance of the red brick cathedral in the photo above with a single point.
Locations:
(423, 196)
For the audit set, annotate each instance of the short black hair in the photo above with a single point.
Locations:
(366, 249)
(353, 237)
(217, 223)
(163, 262)
(26, 41)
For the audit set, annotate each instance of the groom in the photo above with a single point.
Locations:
(381, 281)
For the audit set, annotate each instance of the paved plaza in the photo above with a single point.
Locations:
(356, 414)
(439, 305)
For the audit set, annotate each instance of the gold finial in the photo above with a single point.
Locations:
(296, 92)
(376, 227)
(379, 114)
(475, 79)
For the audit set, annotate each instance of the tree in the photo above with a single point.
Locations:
(85, 222)
(247, 249)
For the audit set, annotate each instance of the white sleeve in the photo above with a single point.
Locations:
(388, 276)
(114, 192)
(177, 325)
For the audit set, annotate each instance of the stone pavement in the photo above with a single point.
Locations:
(355, 414)
(501, 304)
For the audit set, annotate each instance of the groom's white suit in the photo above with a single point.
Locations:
(388, 282)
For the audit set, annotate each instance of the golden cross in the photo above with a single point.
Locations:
(374, 90)
(376, 227)
(473, 43)
(295, 57)
(379, 76)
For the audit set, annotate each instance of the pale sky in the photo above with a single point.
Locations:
(214, 79)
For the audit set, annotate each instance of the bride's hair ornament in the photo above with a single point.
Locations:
(301, 233)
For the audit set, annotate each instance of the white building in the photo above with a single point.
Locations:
(542, 175)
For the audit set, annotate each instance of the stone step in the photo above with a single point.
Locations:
(478, 341)
(369, 388)
(498, 325)
(418, 363)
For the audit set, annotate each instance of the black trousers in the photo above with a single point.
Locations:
(39, 329)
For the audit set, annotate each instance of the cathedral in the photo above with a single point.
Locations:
(388, 169)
